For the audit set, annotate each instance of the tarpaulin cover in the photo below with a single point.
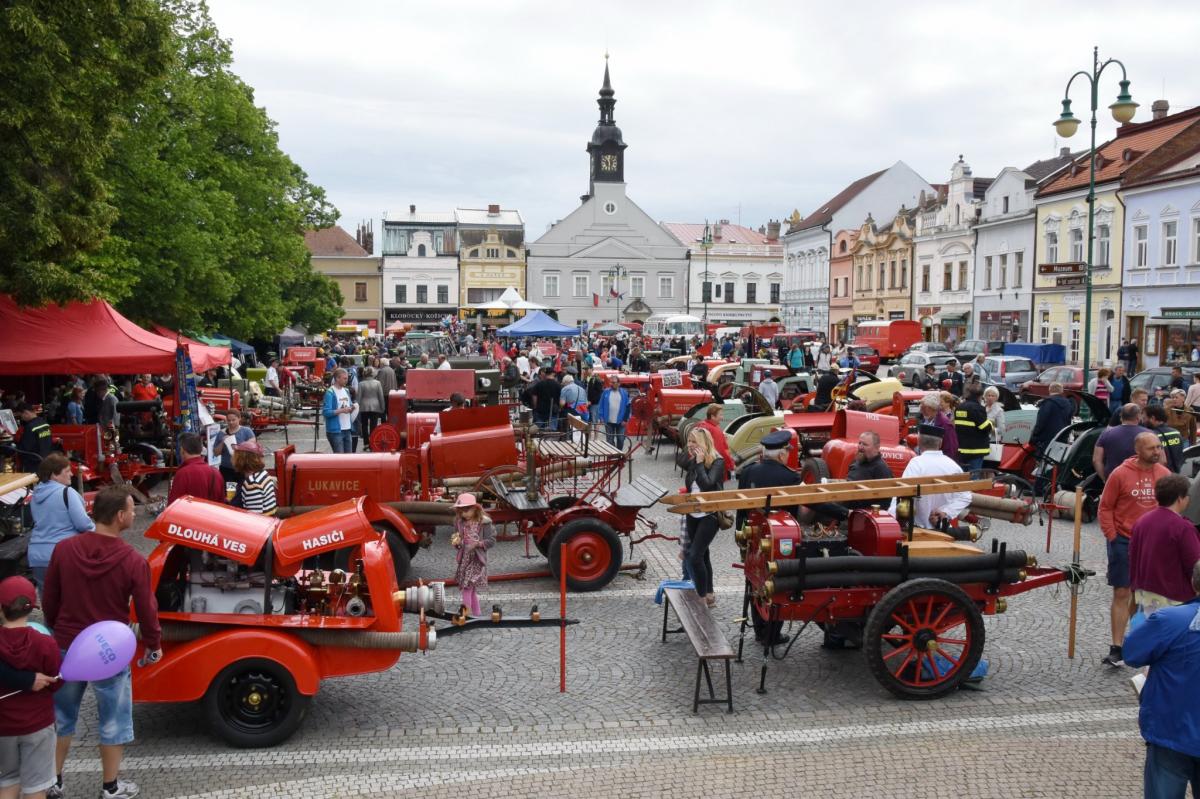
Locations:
(199, 351)
(537, 324)
(1041, 354)
(240, 348)
(85, 338)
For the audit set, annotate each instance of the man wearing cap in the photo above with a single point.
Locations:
(931, 510)
(92, 577)
(928, 381)
(34, 442)
(27, 737)
(955, 377)
(769, 389)
(771, 471)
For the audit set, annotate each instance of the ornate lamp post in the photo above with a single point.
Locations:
(706, 244)
(1066, 125)
(616, 273)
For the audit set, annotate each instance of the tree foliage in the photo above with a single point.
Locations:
(207, 216)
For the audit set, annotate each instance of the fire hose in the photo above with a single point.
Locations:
(1015, 559)
(852, 579)
(405, 641)
(1002, 508)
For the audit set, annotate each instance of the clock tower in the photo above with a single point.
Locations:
(606, 150)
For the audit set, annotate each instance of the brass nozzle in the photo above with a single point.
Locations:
(1021, 575)
(973, 531)
(1001, 605)
(772, 567)
(1031, 561)
(740, 535)
(765, 546)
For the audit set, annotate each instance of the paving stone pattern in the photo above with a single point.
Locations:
(482, 715)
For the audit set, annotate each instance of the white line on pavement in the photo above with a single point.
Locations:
(597, 746)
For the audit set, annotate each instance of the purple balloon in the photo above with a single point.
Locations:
(101, 651)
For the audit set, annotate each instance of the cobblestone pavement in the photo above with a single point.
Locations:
(482, 715)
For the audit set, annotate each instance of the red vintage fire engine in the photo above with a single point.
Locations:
(913, 599)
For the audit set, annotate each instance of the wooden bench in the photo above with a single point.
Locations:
(708, 641)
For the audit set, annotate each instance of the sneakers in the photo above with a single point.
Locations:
(125, 790)
(1114, 657)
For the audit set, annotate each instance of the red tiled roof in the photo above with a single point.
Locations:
(690, 234)
(333, 241)
(825, 213)
(1136, 140)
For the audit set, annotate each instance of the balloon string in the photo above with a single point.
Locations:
(13, 693)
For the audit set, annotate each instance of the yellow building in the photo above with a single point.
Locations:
(881, 275)
(487, 269)
(358, 274)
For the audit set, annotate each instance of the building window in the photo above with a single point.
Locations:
(606, 286)
(1141, 243)
(729, 292)
(360, 292)
(421, 250)
(717, 289)
(422, 295)
(550, 285)
(858, 278)
(666, 287)
(963, 275)
(775, 289)
(443, 295)
(637, 286)
(1196, 241)
(1018, 268)
(401, 295)
(706, 292)
(1170, 232)
(987, 272)
(947, 276)
(1074, 356)
(925, 277)
(882, 276)
(1044, 328)
(1005, 203)
(1076, 245)
(581, 285)
(493, 252)
(1103, 245)
(751, 292)
(892, 274)
(480, 296)
(1003, 271)
(904, 273)
(1051, 247)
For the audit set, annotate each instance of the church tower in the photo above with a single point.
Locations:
(606, 150)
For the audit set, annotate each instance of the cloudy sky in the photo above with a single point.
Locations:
(729, 109)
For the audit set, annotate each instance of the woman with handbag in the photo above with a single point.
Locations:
(705, 472)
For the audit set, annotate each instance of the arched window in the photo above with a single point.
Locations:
(421, 250)
(843, 247)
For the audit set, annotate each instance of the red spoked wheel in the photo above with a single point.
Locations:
(385, 438)
(923, 639)
(593, 554)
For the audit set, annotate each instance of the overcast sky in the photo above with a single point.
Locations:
(727, 108)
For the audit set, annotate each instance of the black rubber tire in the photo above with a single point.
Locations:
(880, 622)
(284, 706)
(593, 529)
(556, 504)
(813, 470)
(401, 555)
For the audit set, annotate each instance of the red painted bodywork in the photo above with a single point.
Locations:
(842, 448)
(188, 668)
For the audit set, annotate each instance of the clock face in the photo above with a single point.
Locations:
(608, 163)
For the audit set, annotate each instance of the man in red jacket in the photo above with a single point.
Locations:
(92, 578)
(26, 718)
(1163, 548)
(1128, 495)
(195, 477)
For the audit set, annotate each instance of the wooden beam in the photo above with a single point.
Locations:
(756, 498)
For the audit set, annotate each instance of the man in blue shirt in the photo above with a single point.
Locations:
(1169, 642)
(613, 410)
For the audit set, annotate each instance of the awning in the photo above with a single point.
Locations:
(950, 319)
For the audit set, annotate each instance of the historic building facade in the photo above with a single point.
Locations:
(491, 254)
(738, 277)
(841, 269)
(881, 273)
(420, 267)
(608, 260)
(357, 273)
(944, 249)
(806, 246)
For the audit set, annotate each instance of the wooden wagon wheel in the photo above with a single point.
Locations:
(493, 485)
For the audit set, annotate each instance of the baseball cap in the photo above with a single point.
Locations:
(15, 587)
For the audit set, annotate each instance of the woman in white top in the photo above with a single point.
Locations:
(995, 412)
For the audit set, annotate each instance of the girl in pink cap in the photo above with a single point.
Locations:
(473, 537)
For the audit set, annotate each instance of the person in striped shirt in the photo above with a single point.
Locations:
(256, 491)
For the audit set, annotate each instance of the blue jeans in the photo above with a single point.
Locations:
(340, 442)
(114, 700)
(972, 464)
(615, 434)
(1168, 773)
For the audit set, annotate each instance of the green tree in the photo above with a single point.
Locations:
(71, 76)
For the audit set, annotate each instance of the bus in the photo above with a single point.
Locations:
(662, 326)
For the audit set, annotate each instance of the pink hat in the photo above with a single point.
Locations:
(465, 501)
(250, 446)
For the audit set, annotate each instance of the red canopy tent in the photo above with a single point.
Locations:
(85, 338)
(217, 356)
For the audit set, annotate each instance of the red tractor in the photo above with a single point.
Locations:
(840, 450)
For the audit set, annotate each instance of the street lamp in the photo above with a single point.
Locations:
(706, 244)
(616, 273)
(1066, 125)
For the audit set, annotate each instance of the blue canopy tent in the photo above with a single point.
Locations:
(240, 348)
(537, 324)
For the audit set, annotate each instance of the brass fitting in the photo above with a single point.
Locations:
(1031, 561)
(1001, 605)
(973, 531)
(772, 567)
(1021, 575)
(765, 546)
(740, 535)
(768, 589)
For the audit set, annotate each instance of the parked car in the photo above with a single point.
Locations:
(969, 348)
(1071, 377)
(1157, 378)
(868, 357)
(1010, 370)
(929, 346)
(912, 365)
